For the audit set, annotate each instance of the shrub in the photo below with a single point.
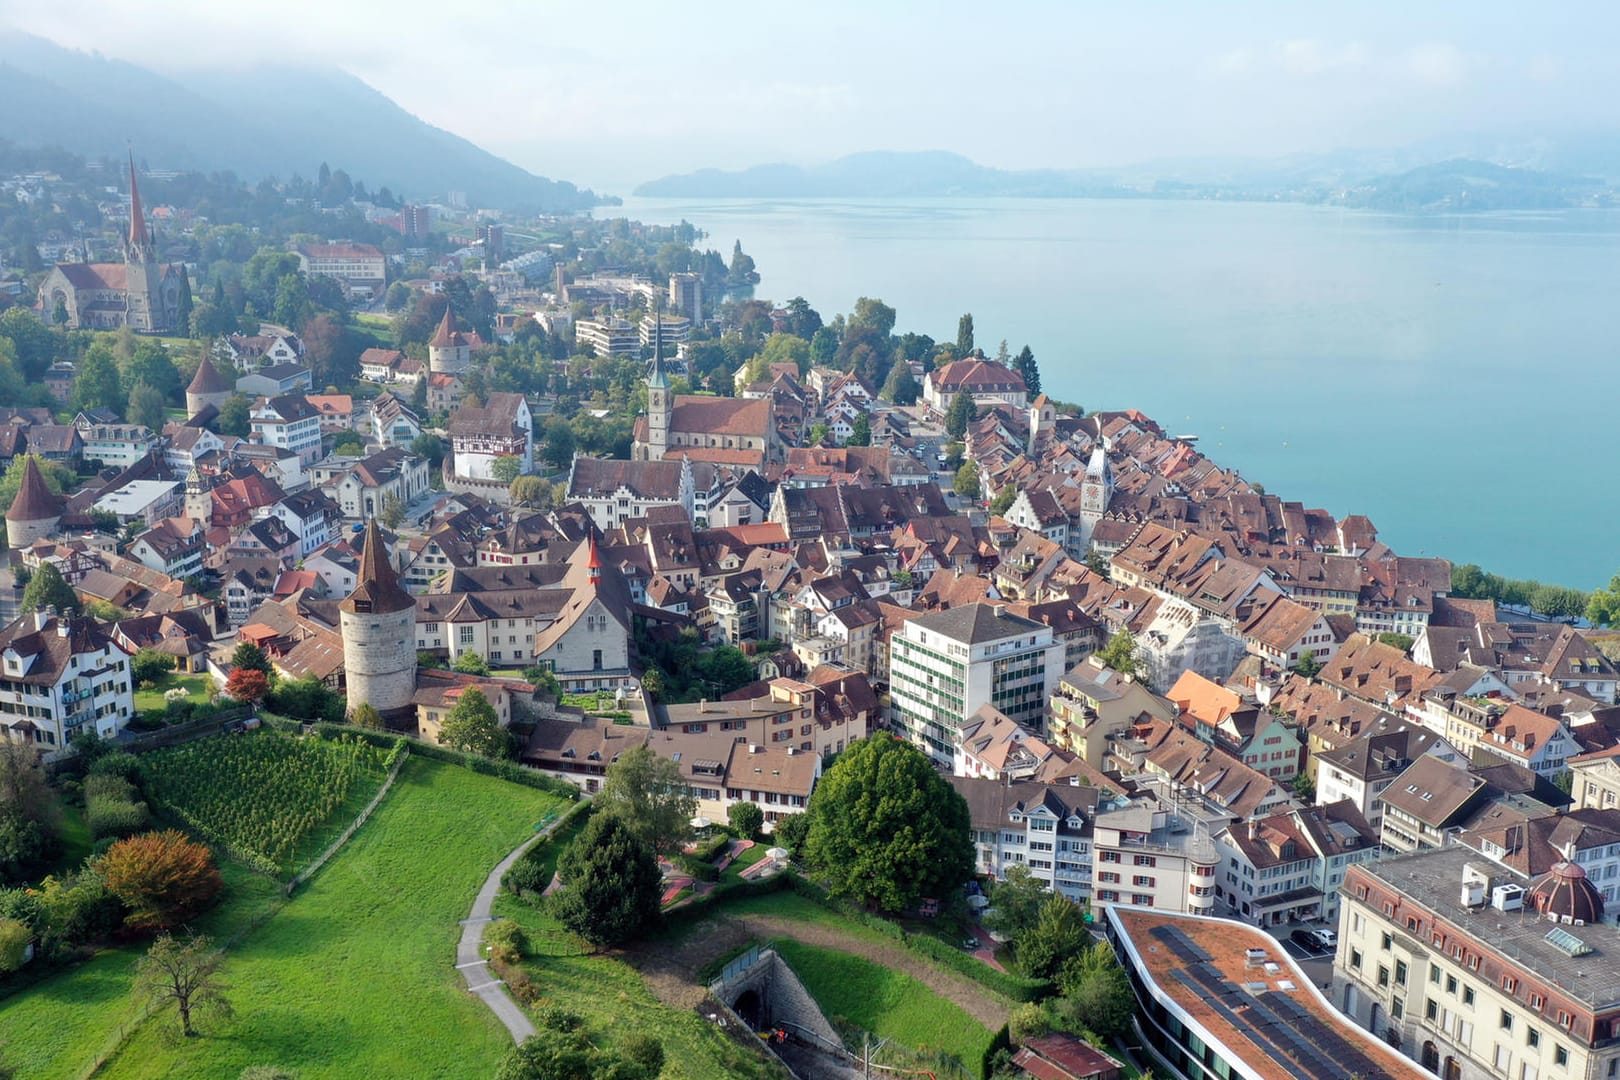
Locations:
(644, 1051)
(506, 941)
(703, 871)
(118, 763)
(557, 1018)
(526, 876)
(1028, 1021)
(708, 850)
(522, 985)
(115, 819)
(75, 909)
(14, 939)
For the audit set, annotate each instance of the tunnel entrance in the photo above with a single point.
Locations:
(751, 1009)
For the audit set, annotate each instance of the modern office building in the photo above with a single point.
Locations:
(943, 666)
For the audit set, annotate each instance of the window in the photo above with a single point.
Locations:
(1142, 881)
(464, 634)
(1400, 972)
(1397, 1008)
(1355, 959)
(1434, 974)
(1146, 860)
(1431, 1010)
(1507, 1020)
(1532, 1037)
(1468, 995)
(1560, 1056)
(1386, 942)
(1383, 975)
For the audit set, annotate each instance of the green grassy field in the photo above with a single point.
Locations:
(887, 1003)
(351, 978)
(196, 687)
(615, 1002)
(354, 978)
(59, 1026)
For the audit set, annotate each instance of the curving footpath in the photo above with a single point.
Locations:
(470, 959)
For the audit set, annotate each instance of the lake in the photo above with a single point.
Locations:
(1446, 376)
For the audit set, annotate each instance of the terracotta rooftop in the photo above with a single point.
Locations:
(377, 589)
(1269, 1017)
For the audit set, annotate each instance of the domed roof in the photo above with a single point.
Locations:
(1565, 893)
(208, 380)
(35, 501)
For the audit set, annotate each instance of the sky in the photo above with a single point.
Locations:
(611, 95)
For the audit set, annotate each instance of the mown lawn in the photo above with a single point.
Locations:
(615, 1002)
(869, 996)
(196, 687)
(354, 976)
(58, 1027)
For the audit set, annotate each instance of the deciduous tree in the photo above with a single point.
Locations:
(1015, 903)
(471, 663)
(747, 818)
(146, 406)
(650, 795)
(861, 433)
(610, 882)
(1059, 932)
(506, 468)
(886, 829)
(185, 975)
(28, 815)
(162, 877)
(1121, 655)
(48, 589)
(473, 726)
(247, 685)
(235, 416)
(367, 716)
(149, 665)
(1096, 993)
(966, 481)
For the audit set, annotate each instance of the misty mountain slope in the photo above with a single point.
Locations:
(255, 122)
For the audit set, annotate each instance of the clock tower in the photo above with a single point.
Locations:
(1096, 492)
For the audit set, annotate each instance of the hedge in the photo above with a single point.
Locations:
(698, 868)
(706, 850)
(698, 907)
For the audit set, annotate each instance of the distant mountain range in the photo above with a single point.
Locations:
(1433, 178)
(254, 122)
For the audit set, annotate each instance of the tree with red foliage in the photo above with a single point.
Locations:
(162, 877)
(247, 685)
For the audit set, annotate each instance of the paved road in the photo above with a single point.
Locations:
(470, 960)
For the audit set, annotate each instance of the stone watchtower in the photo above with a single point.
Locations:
(36, 512)
(450, 351)
(1096, 492)
(378, 622)
(208, 387)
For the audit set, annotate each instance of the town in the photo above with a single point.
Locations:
(1176, 774)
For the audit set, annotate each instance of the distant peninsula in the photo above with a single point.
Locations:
(1454, 185)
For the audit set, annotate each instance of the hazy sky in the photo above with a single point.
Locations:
(613, 93)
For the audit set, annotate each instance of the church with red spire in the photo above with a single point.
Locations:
(146, 295)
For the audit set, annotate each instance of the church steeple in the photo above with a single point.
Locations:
(140, 242)
(659, 406)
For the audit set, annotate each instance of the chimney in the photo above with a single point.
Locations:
(62, 626)
(792, 750)
(703, 705)
(1254, 830)
(755, 748)
(41, 618)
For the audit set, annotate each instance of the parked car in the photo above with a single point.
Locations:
(1314, 940)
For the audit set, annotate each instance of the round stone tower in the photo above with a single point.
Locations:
(378, 622)
(208, 387)
(36, 512)
(450, 351)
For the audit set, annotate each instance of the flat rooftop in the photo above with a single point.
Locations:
(1433, 879)
(1268, 1016)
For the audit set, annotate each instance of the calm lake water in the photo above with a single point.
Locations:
(1453, 378)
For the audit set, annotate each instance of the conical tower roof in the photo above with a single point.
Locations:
(446, 336)
(378, 590)
(208, 380)
(137, 217)
(35, 501)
